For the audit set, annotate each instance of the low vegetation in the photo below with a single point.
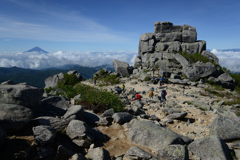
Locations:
(105, 78)
(91, 97)
(193, 58)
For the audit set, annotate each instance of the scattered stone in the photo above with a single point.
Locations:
(122, 117)
(78, 157)
(150, 135)
(212, 147)
(173, 152)
(45, 152)
(138, 153)
(98, 153)
(14, 117)
(226, 128)
(44, 135)
(75, 110)
(23, 95)
(80, 132)
(177, 115)
(63, 153)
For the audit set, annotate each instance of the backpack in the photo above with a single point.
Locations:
(150, 94)
(163, 93)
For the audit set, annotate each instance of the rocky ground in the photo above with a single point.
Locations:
(195, 124)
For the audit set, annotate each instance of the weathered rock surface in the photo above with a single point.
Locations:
(227, 81)
(75, 110)
(137, 153)
(200, 70)
(122, 117)
(177, 115)
(78, 157)
(122, 68)
(226, 128)
(14, 117)
(59, 124)
(24, 95)
(63, 153)
(189, 34)
(44, 135)
(98, 153)
(212, 147)
(174, 152)
(210, 56)
(53, 80)
(80, 133)
(152, 136)
(54, 106)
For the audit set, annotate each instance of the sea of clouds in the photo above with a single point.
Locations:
(35, 60)
(229, 59)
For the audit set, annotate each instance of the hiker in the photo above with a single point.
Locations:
(163, 80)
(166, 75)
(137, 97)
(123, 88)
(160, 81)
(95, 81)
(152, 80)
(150, 95)
(163, 95)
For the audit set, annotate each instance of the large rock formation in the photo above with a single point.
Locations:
(168, 38)
(161, 48)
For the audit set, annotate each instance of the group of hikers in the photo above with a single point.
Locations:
(163, 95)
(150, 94)
(161, 80)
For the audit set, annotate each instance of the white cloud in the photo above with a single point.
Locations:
(229, 59)
(35, 60)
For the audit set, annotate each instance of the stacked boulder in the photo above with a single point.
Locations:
(161, 48)
(158, 48)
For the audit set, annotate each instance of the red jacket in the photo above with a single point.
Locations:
(138, 96)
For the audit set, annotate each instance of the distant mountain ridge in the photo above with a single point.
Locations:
(36, 49)
(227, 50)
(36, 77)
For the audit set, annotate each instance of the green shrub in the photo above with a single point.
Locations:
(99, 98)
(147, 78)
(70, 79)
(101, 72)
(112, 79)
(193, 58)
(189, 102)
(214, 92)
(48, 90)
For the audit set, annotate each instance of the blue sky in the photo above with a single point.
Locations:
(109, 27)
